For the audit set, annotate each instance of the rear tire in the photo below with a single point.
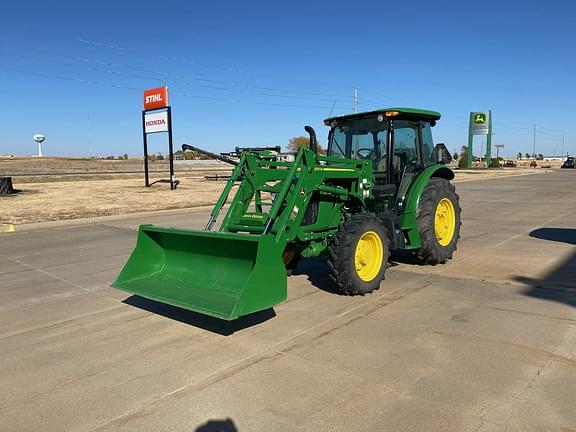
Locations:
(438, 218)
(359, 254)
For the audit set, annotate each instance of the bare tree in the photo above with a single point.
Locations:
(295, 143)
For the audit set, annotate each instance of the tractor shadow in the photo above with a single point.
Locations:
(217, 426)
(404, 257)
(16, 192)
(564, 235)
(559, 284)
(316, 271)
(205, 322)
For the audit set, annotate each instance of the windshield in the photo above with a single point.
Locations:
(362, 139)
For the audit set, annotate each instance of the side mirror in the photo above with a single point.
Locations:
(442, 154)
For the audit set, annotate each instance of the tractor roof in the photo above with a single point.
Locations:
(402, 113)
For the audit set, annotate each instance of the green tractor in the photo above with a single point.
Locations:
(382, 187)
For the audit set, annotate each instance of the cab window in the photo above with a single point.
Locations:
(363, 139)
(427, 145)
(405, 152)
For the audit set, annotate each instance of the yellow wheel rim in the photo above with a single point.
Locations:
(368, 256)
(445, 222)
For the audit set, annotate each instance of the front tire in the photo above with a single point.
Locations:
(438, 218)
(359, 254)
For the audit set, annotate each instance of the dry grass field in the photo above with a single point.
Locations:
(52, 189)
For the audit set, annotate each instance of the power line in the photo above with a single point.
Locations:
(232, 86)
(101, 83)
(114, 65)
(233, 70)
(202, 64)
(119, 65)
(66, 78)
(512, 131)
(293, 97)
(372, 102)
(292, 106)
(299, 92)
(131, 75)
(137, 76)
(140, 89)
(228, 85)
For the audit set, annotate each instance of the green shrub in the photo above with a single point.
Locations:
(494, 163)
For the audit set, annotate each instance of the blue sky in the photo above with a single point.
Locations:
(254, 73)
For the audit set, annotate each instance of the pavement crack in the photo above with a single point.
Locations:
(59, 322)
(60, 279)
(548, 354)
(47, 273)
(481, 415)
(522, 394)
(534, 314)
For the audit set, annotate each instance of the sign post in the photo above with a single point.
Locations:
(480, 124)
(157, 117)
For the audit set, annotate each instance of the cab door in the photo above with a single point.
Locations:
(406, 156)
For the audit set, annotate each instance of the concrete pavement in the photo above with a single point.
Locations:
(485, 343)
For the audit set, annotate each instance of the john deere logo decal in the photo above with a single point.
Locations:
(479, 118)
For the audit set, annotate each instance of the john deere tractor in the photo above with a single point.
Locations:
(382, 187)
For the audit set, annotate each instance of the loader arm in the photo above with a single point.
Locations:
(291, 187)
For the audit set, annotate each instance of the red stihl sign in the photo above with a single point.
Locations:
(156, 98)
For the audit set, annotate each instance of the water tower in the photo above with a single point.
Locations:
(39, 138)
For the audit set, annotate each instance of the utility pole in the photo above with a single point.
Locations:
(534, 145)
(355, 100)
(488, 157)
(90, 152)
(562, 154)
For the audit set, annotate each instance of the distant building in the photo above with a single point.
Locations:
(286, 157)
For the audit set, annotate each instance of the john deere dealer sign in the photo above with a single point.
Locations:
(479, 124)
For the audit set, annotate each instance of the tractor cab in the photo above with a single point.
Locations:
(398, 141)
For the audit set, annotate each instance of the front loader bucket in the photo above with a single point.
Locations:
(225, 275)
